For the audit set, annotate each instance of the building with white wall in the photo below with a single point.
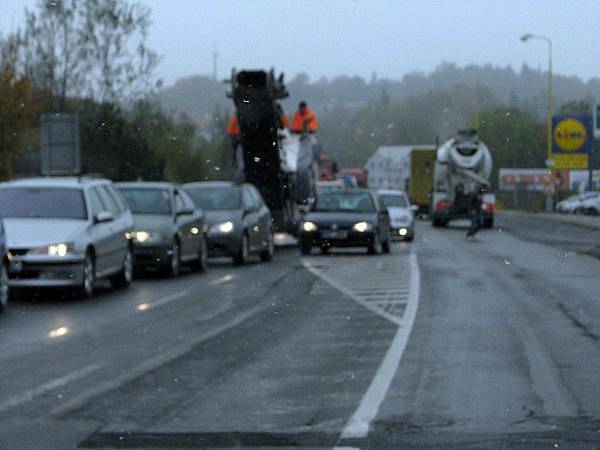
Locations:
(389, 166)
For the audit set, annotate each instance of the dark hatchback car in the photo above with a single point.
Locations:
(349, 218)
(168, 228)
(239, 222)
(3, 269)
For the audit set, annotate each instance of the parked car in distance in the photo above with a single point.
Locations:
(573, 204)
(348, 218)
(66, 232)
(239, 221)
(4, 261)
(169, 230)
(402, 220)
(589, 204)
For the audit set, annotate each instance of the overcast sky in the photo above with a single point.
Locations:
(327, 38)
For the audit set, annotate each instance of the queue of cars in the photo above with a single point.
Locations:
(356, 218)
(71, 232)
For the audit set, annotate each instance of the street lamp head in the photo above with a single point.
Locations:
(525, 37)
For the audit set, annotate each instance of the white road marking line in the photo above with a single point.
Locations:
(47, 387)
(223, 279)
(359, 423)
(154, 363)
(163, 301)
(379, 287)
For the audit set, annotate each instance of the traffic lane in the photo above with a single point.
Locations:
(73, 367)
(36, 316)
(504, 346)
(550, 231)
(295, 372)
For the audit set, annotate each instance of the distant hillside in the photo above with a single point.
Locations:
(198, 95)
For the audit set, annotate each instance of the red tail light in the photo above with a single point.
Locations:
(441, 205)
(489, 207)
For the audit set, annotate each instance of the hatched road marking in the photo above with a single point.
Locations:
(388, 286)
(381, 285)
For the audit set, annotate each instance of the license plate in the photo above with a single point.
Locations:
(334, 234)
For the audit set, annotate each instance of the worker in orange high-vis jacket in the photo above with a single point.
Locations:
(305, 120)
(234, 133)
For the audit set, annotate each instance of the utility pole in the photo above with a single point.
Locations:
(215, 56)
(549, 162)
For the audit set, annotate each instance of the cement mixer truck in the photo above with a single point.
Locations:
(463, 165)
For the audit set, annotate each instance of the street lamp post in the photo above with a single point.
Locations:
(549, 162)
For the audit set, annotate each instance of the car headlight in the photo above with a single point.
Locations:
(146, 237)
(361, 227)
(60, 249)
(223, 227)
(309, 226)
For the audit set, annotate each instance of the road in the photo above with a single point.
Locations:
(442, 343)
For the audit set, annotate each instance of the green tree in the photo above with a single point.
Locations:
(18, 110)
(515, 138)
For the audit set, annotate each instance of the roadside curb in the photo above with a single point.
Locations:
(587, 222)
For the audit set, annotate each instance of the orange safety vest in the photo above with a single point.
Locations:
(233, 128)
(283, 118)
(300, 119)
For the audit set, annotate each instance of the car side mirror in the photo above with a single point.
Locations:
(185, 212)
(103, 217)
(414, 208)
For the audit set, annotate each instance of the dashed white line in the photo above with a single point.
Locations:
(47, 387)
(163, 301)
(223, 279)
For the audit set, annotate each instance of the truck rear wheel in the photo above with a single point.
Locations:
(437, 222)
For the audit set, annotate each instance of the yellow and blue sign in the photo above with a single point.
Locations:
(572, 141)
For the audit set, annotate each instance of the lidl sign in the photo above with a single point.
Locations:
(572, 141)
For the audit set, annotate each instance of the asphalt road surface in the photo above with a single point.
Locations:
(443, 343)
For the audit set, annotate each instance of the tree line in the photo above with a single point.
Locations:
(91, 58)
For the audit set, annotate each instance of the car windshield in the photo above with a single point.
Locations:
(147, 200)
(394, 200)
(215, 199)
(360, 202)
(47, 203)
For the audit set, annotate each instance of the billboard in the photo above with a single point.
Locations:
(510, 180)
(523, 179)
(572, 141)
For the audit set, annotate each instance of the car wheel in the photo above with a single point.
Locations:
(488, 223)
(175, 260)
(89, 276)
(267, 254)
(202, 262)
(242, 255)
(305, 248)
(592, 211)
(375, 245)
(4, 293)
(123, 278)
